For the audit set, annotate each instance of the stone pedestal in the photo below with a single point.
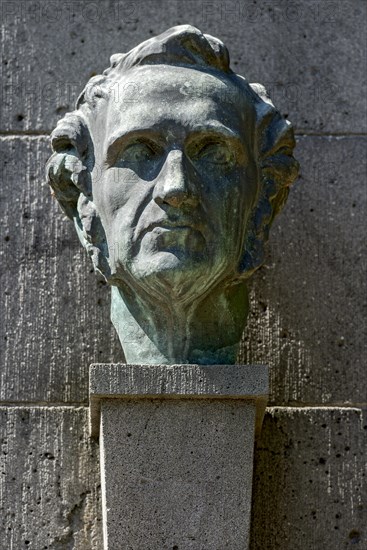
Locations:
(176, 446)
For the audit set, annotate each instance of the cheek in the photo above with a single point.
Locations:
(114, 189)
(119, 194)
(244, 192)
(235, 200)
(237, 191)
(252, 179)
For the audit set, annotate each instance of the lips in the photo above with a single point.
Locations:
(173, 225)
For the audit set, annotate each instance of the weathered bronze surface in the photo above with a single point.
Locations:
(173, 168)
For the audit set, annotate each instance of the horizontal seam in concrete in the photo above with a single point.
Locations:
(43, 404)
(331, 134)
(31, 133)
(355, 406)
(43, 133)
(345, 404)
(77, 404)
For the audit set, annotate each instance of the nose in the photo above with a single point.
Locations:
(174, 186)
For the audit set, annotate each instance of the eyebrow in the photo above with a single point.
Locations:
(215, 129)
(117, 141)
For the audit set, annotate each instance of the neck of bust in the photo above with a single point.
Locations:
(206, 331)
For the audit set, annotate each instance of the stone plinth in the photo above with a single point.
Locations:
(176, 453)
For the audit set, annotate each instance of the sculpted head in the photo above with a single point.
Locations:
(173, 168)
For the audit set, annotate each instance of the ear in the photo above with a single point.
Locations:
(68, 172)
(68, 169)
(277, 171)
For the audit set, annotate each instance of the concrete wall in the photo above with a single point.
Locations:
(308, 317)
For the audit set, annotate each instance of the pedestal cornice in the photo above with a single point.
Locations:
(126, 381)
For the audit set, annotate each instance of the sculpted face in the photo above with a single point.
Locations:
(176, 178)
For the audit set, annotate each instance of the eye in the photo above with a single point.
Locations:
(215, 153)
(140, 151)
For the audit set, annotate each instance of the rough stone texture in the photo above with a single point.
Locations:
(49, 484)
(308, 311)
(178, 381)
(167, 380)
(326, 446)
(314, 74)
(310, 480)
(44, 275)
(177, 473)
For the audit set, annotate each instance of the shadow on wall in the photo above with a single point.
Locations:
(307, 313)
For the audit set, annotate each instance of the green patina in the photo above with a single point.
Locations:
(173, 168)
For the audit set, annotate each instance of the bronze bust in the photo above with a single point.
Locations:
(172, 168)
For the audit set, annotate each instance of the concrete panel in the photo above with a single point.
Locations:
(309, 487)
(308, 311)
(49, 484)
(177, 473)
(310, 55)
(307, 316)
(54, 315)
(309, 484)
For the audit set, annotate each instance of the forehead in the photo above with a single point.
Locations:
(176, 98)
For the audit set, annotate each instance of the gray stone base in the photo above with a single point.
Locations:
(177, 445)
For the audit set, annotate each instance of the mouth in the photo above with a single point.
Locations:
(172, 225)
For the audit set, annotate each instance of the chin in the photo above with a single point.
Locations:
(167, 274)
